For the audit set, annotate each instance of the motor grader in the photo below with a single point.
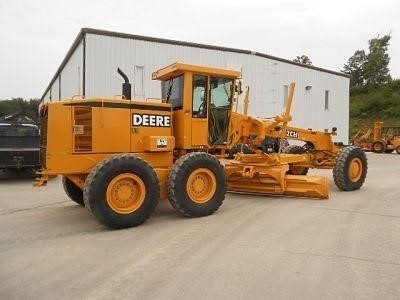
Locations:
(119, 156)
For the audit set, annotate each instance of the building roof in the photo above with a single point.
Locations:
(84, 31)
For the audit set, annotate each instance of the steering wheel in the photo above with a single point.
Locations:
(202, 110)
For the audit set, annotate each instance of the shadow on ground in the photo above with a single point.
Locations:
(17, 174)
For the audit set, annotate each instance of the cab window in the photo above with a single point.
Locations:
(220, 106)
(221, 92)
(199, 96)
(172, 92)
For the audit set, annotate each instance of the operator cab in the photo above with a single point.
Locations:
(201, 99)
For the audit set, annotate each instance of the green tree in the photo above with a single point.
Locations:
(369, 69)
(19, 105)
(355, 67)
(376, 67)
(304, 59)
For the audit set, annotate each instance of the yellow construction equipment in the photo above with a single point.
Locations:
(118, 157)
(386, 139)
(363, 139)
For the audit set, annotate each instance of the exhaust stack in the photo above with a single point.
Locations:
(126, 86)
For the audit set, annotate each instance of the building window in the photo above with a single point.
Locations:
(326, 100)
(285, 95)
(139, 82)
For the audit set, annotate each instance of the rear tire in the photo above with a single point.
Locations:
(379, 147)
(73, 191)
(197, 185)
(122, 191)
(293, 169)
(350, 170)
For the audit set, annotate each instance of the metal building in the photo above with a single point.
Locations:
(90, 69)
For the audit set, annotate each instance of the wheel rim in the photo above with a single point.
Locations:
(126, 193)
(355, 170)
(201, 185)
(378, 147)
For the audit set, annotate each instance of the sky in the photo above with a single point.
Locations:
(35, 36)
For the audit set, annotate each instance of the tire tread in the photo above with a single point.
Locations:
(73, 191)
(175, 184)
(93, 184)
(341, 168)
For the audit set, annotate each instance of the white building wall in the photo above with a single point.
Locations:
(47, 96)
(53, 94)
(55, 90)
(265, 76)
(71, 76)
(104, 54)
(309, 105)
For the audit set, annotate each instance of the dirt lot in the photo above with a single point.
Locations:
(254, 247)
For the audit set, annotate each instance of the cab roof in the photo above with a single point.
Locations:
(178, 68)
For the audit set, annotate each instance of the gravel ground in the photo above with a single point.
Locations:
(253, 247)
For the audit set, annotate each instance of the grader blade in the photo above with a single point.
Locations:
(294, 185)
(307, 186)
(272, 180)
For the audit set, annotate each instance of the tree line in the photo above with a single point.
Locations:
(367, 69)
(374, 93)
(13, 106)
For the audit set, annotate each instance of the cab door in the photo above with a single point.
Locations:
(221, 94)
(199, 111)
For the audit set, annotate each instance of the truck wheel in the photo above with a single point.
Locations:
(122, 191)
(293, 169)
(379, 147)
(197, 184)
(73, 191)
(350, 169)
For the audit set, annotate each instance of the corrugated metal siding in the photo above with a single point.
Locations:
(55, 90)
(309, 106)
(69, 81)
(265, 76)
(104, 54)
(72, 76)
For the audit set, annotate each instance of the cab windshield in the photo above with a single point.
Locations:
(172, 92)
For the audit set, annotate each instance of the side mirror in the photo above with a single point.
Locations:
(238, 86)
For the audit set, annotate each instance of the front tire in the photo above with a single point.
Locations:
(122, 191)
(293, 169)
(197, 185)
(73, 191)
(350, 170)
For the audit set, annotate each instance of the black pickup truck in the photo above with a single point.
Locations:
(19, 143)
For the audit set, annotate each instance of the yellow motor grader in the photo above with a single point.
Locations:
(118, 157)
